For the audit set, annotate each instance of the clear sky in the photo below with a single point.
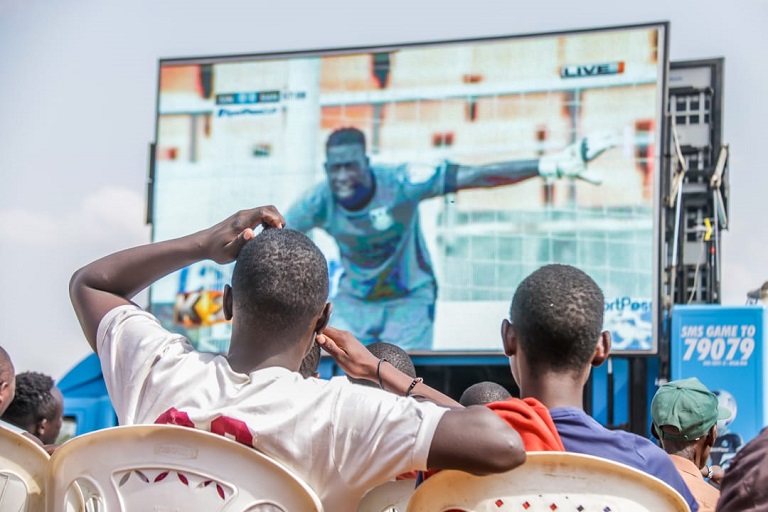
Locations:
(77, 97)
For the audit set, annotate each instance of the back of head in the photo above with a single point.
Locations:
(344, 137)
(484, 393)
(34, 400)
(683, 411)
(557, 314)
(280, 282)
(394, 355)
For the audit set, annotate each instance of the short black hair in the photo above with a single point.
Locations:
(394, 355)
(311, 361)
(345, 136)
(557, 314)
(484, 393)
(33, 400)
(280, 281)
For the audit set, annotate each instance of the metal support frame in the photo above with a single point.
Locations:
(694, 191)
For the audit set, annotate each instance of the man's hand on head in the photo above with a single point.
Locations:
(113, 280)
(358, 362)
(223, 242)
(351, 355)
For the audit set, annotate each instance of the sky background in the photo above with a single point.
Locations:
(78, 83)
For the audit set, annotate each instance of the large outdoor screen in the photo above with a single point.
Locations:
(435, 177)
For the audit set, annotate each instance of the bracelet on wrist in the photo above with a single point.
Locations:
(378, 371)
(417, 380)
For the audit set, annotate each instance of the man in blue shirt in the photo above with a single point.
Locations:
(388, 288)
(553, 338)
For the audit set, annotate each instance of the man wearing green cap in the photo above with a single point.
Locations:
(685, 415)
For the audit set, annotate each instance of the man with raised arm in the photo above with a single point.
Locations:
(388, 289)
(340, 438)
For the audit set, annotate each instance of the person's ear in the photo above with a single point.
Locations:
(712, 435)
(4, 385)
(324, 318)
(227, 302)
(603, 349)
(508, 338)
(40, 427)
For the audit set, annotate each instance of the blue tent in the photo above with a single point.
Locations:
(86, 402)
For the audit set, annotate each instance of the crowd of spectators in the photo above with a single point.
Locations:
(345, 435)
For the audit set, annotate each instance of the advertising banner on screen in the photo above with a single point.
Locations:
(724, 347)
(434, 177)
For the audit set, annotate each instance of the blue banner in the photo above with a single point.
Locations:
(724, 347)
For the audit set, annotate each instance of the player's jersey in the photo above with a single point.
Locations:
(381, 246)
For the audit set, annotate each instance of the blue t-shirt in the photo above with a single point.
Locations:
(583, 434)
(382, 250)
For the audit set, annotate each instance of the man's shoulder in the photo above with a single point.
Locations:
(572, 420)
(642, 445)
(647, 448)
(121, 314)
(130, 330)
(389, 175)
(573, 416)
(385, 169)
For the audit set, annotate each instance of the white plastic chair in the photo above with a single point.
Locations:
(547, 482)
(388, 497)
(22, 473)
(167, 467)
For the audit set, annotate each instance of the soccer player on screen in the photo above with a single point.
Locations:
(388, 289)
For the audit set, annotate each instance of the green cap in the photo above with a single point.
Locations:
(689, 406)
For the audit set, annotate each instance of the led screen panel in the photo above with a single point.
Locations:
(434, 177)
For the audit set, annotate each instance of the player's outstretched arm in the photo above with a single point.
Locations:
(495, 174)
(357, 362)
(113, 280)
(568, 162)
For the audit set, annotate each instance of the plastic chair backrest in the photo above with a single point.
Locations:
(550, 481)
(388, 497)
(167, 467)
(22, 473)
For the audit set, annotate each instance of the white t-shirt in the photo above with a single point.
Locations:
(341, 438)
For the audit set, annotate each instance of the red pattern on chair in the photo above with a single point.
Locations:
(162, 475)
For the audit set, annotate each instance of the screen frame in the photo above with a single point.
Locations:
(662, 27)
